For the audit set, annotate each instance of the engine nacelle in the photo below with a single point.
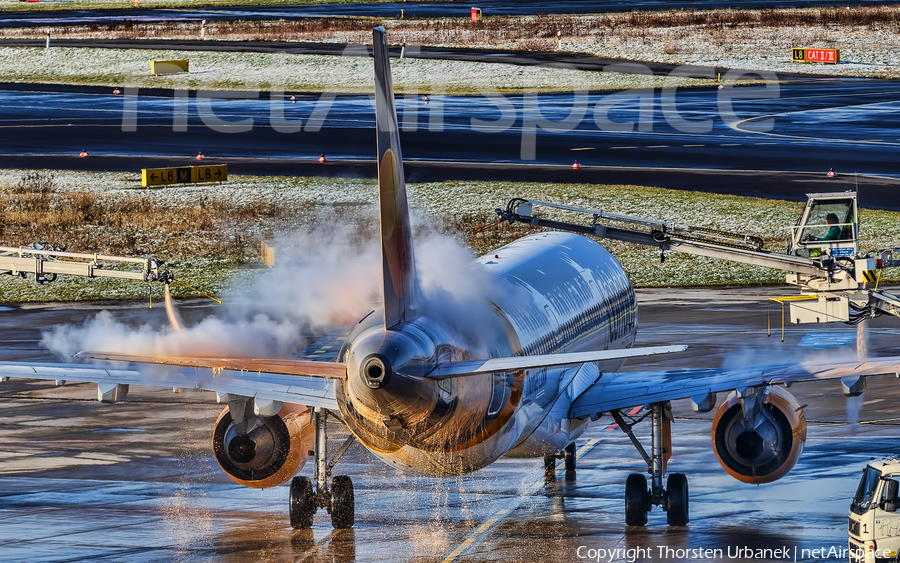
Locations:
(274, 450)
(767, 452)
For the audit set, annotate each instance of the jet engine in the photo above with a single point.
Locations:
(273, 449)
(765, 447)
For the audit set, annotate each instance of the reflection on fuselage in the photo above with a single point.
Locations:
(561, 293)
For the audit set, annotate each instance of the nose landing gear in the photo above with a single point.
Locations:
(338, 500)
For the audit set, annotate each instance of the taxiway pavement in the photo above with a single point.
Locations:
(136, 481)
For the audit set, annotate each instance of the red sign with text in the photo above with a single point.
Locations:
(801, 55)
(822, 55)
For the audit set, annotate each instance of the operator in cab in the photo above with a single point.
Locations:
(834, 233)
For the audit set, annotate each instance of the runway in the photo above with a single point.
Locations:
(136, 481)
(849, 123)
(389, 10)
(681, 140)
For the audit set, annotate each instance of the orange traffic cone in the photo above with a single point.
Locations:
(322, 158)
(576, 166)
(425, 99)
(84, 153)
(293, 99)
(831, 173)
(116, 92)
(199, 156)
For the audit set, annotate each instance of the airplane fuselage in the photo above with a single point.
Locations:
(559, 293)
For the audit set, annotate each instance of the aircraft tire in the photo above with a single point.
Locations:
(343, 508)
(550, 466)
(677, 500)
(570, 458)
(636, 500)
(302, 503)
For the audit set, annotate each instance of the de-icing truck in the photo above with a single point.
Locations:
(874, 522)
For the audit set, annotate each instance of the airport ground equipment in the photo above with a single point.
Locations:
(823, 257)
(873, 521)
(46, 262)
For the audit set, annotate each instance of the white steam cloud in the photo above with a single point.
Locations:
(457, 290)
(331, 280)
(751, 358)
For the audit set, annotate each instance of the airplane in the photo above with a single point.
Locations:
(426, 391)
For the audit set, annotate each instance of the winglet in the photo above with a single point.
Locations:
(398, 261)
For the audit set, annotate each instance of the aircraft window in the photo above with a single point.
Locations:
(500, 393)
(447, 389)
(444, 354)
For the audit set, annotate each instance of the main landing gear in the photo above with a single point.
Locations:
(338, 500)
(639, 499)
(568, 454)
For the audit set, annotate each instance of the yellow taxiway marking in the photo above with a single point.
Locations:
(623, 147)
(729, 144)
(693, 145)
(583, 149)
(485, 526)
(658, 146)
(878, 421)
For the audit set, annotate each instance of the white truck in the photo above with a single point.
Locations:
(874, 523)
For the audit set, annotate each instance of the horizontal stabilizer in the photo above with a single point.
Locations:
(547, 360)
(328, 370)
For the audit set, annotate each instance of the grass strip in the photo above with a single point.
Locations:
(210, 235)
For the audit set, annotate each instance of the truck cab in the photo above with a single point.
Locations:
(874, 522)
(828, 225)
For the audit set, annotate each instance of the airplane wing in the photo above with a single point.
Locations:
(297, 389)
(302, 382)
(626, 389)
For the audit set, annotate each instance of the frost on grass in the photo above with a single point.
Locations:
(253, 209)
(306, 73)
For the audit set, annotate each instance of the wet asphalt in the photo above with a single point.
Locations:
(136, 481)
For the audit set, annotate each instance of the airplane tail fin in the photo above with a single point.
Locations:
(398, 261)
